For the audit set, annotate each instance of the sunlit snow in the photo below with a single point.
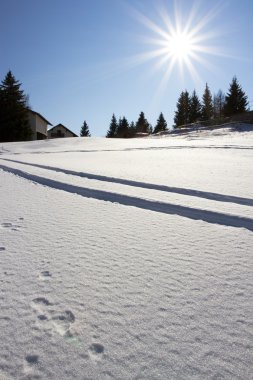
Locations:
(127, 258)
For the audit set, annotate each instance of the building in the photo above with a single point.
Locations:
(245, 117)
(38, 125)
(60, 130)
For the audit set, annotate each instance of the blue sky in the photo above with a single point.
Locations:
(87, 59)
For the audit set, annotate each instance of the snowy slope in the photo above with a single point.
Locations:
(127, 259)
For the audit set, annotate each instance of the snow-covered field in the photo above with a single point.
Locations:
(127, 259)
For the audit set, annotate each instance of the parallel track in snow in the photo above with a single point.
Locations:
(194, 213)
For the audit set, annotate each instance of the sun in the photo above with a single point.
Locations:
(180, 43)
(180, 46)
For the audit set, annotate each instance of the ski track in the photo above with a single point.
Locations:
(190, 192)
(188, 212)
(122, 283)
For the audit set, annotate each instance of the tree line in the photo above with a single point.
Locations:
(189, 109)
(14, 109)
(123, 129)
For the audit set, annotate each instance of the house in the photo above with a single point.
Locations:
(245, 117)
(38, 125)
(60, 130)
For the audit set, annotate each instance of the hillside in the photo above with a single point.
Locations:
(127, 258)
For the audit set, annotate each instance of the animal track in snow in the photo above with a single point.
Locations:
(41, 301)
(2, 249)
(96, 350)
(11, 226)
(45, 275)
(32, 359)
(62, 323)
(59, 322)
(42, 317)
(6, 225)
(40, 305)
(30, 364)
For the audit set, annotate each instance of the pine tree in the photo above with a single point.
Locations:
(218, 105)
(195, 108)
(14, 124)
(142, 125)
(123, 128)
(207, 104)
(132, 129)
(235, 101)
(150, 129)
(112, 131)
(182, 114)
(85, 130)
(161, 124)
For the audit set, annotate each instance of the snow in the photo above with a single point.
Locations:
(127, 259)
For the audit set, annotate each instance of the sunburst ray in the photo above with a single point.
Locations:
(182, 44)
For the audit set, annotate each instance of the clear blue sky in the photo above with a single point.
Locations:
(86, 59)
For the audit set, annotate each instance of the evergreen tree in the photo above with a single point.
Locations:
(235, 101)
(218, 105)
(14, 124)
(142, 125)
(195, 108)
(207, 104)
(85, 130)
(182, 114)
(118, 127)
(112, 131)
(132, 129)
(161, 124)
(123, 128)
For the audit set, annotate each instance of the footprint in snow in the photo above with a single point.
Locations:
(2, 249)
(62, 323)
(6, 225)
(13, 227)
(40, 305)
(30, 364)
(41, 301)
(59, 322)
(96, 351)
(42, 317)
(66, 316)
(32, 359)
(45, 275)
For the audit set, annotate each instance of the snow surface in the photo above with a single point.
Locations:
(127, 259)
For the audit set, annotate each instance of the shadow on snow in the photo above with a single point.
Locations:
(161, 207)
(144, 185)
